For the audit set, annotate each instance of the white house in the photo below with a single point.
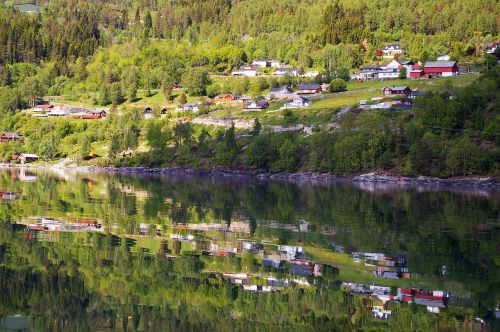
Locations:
(188, 107)
(283, 71)
(281, 92)
(388, 74)
(394, 64)
(58, 111)
(248, 71)
(299, 102)
(443, 58)
(262, 63)
(275, 63)
(391, 50)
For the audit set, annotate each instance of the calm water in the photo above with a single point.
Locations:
(94, 251)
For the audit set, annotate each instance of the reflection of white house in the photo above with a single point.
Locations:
(248, 71)
(285, 71)
(310, 74)
(58, 111)
(299, 102)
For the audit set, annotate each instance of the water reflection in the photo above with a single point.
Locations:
(127, 238)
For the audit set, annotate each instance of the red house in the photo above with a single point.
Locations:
(396, 90)
(441, 68)
(6, 137)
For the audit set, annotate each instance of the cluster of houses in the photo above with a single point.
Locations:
(296, 99)
(400, 97)
(49, 110)
(433, 300)
(387, 266)
(278, 68)
(254, 283)
(392, 70)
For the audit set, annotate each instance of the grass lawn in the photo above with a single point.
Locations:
(421, 84)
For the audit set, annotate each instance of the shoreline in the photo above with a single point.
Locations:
(365, 179)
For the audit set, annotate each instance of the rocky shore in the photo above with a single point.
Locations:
(368, 178)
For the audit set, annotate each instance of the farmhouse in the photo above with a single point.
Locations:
(299, 102)
(6, 137)
(394, 64)
(226, 97)
(248, 71)
(441, 68)
(388, 74)
(391, 50)
(396, 90)
(309, 88)
(367, 73)
(263, 63)
(280, 92)
(188, 107)
(43, 107)
(284, 71)
(257, 105)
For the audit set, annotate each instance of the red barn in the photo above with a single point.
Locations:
(441, 68)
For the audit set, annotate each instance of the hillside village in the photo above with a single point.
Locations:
(110, 106)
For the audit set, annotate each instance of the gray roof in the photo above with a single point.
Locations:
(429, 302)
(440, 64)
(397, 88)
(309, 86)
(281, 88)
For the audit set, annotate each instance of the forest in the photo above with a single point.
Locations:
(109, 53)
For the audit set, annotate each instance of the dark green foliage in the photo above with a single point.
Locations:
(338, 85)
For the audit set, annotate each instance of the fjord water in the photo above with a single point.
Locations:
(125, 274)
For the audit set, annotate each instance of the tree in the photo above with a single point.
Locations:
(132, 93)
(114, 146)
(402, 73)
(86, 147)
(157, 137)
(183, 133)
(256, 128)
(182, 99)
(288, 156)
(338, 85)
(258, 153)
(213, 90)
(148, 24)
(196, 81)
(103, 98)
(116, 94)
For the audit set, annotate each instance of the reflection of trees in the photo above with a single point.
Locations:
(434, 228)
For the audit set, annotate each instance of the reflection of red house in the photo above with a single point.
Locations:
(6, 137)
